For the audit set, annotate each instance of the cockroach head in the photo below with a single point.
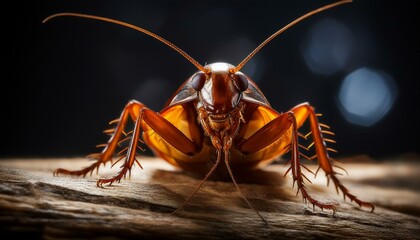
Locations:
(218, 89)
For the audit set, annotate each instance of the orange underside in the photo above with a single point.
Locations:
(201, 162)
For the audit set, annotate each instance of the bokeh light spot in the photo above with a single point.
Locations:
(366, 96)
(327, 46)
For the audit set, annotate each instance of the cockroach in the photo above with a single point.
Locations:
(218, 114)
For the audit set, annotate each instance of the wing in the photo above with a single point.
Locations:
(185, 93)
(253, 94)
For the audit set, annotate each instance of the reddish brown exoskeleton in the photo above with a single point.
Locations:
(218, 114)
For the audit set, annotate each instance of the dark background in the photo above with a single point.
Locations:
(64, 80)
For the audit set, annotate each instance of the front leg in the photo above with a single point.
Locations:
(272, 132)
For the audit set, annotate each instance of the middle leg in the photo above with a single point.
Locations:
(303, 112)
(132, 110)
(172, 135)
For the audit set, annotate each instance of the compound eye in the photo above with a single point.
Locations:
(241, 81)
(198, 80)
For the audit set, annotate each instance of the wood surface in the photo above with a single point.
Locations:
(36, 205)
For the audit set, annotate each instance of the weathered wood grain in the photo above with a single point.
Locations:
(35, 204)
